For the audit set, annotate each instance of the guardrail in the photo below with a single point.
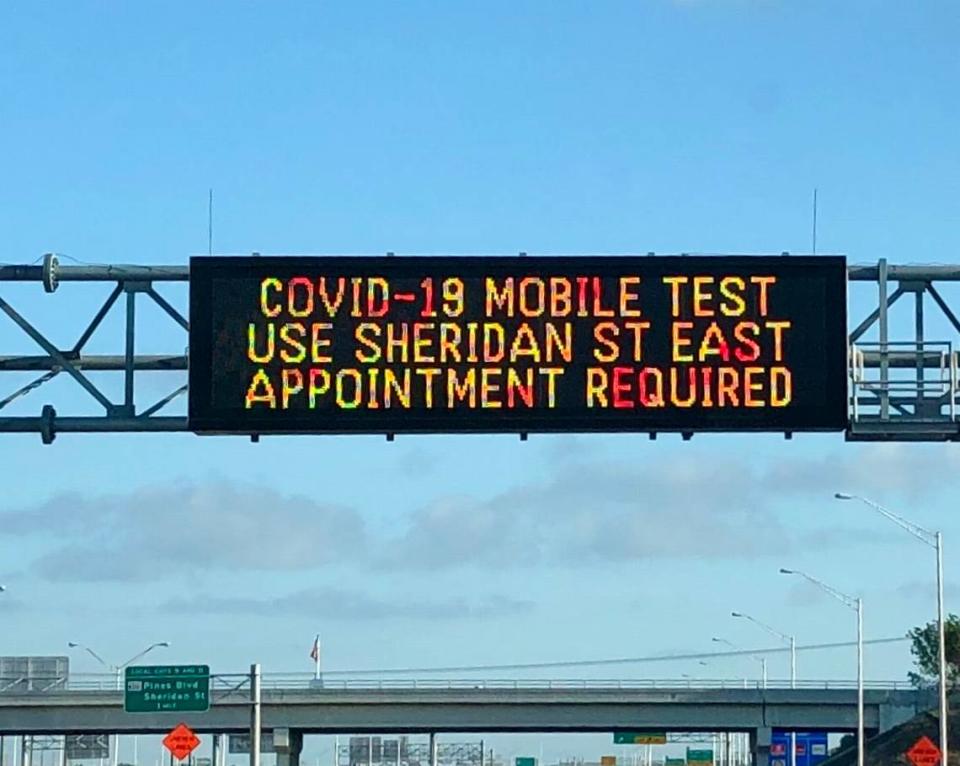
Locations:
(294, 681)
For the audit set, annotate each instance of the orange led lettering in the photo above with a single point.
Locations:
(391, 386)
(781, 387)
(365, 329)
(778, 328)
(637, 329)
(596, 386)
(732, 288)
(356, 381)
(675, 387)
(378, 297)
(763, 283)
(516, 387)
(488, 387)
(561, 292)
(260, 390)
(621, 388)
(299, 353)
(551, 374)
(700, 295)
(727, 384)
(502, 299)
(317, 342)
(319, 385)
(598, 309)
(628, 296)
(749, 386)
(270, 283)
(331, 304)
(291, 384)
(749, 351)
(267, 355)
(462, 391)
(679, 343)
(421, 345)
(651, 387)
(532, 306)
(675, 283)
(713, 344)
(600, 333)
(300, 289)
(524, 344)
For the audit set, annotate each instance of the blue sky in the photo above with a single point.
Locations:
(561, 127)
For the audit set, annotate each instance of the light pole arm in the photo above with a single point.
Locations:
(141, 654)
(841, 597)
(924, 535)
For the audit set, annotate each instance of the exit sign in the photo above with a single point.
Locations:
(166, 688)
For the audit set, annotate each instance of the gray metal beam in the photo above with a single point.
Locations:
(92, 424)
(98, 362)
(480, 710)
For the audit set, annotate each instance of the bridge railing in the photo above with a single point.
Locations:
(225, 682)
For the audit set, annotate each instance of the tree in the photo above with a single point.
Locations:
(925, 648)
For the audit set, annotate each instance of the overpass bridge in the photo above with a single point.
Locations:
(433, 707)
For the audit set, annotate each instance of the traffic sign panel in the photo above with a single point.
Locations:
(181, 741)
(639, 738)
(924, 752)
(160, 688)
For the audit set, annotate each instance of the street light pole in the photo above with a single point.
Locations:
(791, 640)
(934, 540)
(762, 660)
(118, 672)
(857, 605)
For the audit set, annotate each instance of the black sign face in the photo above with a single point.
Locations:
(511, 344)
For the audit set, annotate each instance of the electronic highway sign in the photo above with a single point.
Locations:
(452, 344)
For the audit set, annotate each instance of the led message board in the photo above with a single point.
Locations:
(517, 344)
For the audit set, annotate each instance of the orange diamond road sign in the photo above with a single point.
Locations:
(182, 741)
(924, 753)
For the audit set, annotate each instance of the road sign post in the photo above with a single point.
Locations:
(163, 688)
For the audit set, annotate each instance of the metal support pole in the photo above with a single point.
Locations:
(115, 755)
(860, 738)
(793, 685)
(215, 756)
(128, 371)
(255, 714)
(884, 340)
(918, 336)
(941, 639)
(433, 749)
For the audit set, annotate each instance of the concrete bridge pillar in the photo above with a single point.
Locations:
(760, 739)
(287, 744)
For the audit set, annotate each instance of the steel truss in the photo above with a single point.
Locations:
(902, 387)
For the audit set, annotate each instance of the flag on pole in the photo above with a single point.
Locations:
(315, 650)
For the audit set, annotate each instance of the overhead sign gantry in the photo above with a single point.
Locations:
(408, 344)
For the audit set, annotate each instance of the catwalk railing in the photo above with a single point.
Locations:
(226, 682)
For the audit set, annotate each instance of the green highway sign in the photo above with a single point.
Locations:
(526, 761)
(639, 738)
(161, 688)
(699, 757)
(668, 761)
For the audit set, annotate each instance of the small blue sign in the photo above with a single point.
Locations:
(811, 748)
